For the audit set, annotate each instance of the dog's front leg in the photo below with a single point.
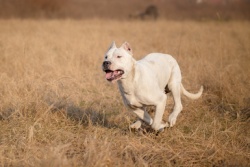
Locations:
(143, 115)
(160, 108)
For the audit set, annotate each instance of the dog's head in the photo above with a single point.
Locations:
(118, 62)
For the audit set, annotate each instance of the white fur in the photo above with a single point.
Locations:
(144, 81)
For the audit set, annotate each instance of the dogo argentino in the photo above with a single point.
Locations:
(146, 83)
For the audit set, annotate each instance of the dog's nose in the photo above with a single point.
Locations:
(106, 64)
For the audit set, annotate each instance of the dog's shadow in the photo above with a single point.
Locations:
(87, 116)
(80, 115)
(84, 115)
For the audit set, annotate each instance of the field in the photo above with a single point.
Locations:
(57, 109)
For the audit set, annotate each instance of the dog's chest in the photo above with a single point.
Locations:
(130, 95)
(131, 101)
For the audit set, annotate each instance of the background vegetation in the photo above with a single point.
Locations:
(56, 108)
(113, 9)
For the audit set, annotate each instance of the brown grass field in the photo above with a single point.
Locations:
(57, 109)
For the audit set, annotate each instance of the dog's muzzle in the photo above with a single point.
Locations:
(105, 65)
(111, 75)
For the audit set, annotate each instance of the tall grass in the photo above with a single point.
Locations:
(56, 108)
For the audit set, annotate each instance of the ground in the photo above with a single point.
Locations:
(57, 109)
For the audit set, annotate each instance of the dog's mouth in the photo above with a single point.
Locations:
(114, 75)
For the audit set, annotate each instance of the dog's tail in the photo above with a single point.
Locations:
(192, 95)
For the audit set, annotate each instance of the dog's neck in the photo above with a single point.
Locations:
(124, 84)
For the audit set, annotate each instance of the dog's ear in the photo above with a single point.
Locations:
(127, 47)
(112, 45)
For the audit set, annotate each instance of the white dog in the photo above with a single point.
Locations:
(145, 83)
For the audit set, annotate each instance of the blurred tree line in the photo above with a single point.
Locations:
(118, 9)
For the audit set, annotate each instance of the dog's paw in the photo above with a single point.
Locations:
(160, 127)
(155, 126)
(160, 131)
(172, 119)
(136, 125)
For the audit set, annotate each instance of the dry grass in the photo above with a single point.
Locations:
(56, 108)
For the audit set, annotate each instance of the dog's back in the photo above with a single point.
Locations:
(161, 65)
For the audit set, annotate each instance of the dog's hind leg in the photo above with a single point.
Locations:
(176, 92)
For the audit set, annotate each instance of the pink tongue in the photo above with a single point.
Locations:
(109, 75)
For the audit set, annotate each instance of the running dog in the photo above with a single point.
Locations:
(146, 83)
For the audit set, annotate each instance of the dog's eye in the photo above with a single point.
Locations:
(106, 57)
(119, 57)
